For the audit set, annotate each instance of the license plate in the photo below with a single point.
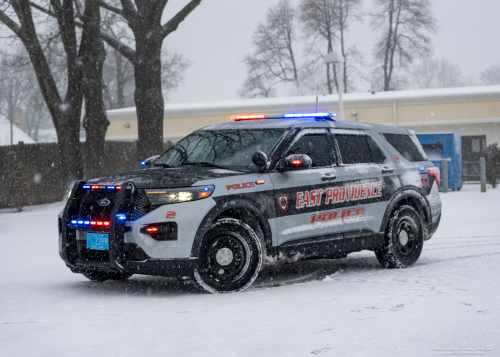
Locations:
(98, 241)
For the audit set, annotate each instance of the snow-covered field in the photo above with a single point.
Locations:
(348, 307)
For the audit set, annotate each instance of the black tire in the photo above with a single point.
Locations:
(230, 257)
(405, 225)
(102, 276)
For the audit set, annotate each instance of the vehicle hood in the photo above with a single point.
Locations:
(158, 177)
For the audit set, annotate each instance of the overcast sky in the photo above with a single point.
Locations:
(217, 35)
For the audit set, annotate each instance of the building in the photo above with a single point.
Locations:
(471, 112)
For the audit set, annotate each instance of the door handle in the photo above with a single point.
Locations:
(329, 177)
(387, 170)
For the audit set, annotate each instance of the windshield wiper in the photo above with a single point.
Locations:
(164, 165)
(205, 163)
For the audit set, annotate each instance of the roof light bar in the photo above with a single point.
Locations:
(283, 116)
(248, 117)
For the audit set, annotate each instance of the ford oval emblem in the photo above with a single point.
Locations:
(104, 202)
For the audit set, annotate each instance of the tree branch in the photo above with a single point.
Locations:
(111, 40)
(111, 8)
(10, 24)
(40, 8)
(174, 22)
(129, 12)
(118, 45)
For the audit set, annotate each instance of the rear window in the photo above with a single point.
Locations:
(407, 146)
(358, 149)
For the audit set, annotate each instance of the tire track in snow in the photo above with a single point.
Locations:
(487, 236)
(456, 258)
(464, 246)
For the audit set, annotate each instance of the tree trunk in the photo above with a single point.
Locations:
(65, 115)
(95, 121)
(120, 81)
(148, 97)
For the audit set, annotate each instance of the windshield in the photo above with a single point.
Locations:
(224, 148)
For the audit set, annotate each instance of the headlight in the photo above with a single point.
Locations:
(178, 195)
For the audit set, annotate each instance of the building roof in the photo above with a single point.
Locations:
(308, 103)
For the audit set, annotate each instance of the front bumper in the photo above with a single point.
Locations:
(131, 251)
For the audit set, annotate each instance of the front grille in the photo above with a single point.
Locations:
(140, 205)
(87, 205)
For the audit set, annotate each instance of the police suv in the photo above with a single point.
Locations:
(230, 199)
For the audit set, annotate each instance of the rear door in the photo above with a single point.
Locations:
(300, 194)
(366, 181)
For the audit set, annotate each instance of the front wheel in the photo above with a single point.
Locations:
(230, 257)
(101, 276)
(404, 239)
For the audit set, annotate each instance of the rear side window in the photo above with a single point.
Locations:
(407, 146)
(358, 149)
(316, 147)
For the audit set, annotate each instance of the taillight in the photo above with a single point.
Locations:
(434, 172)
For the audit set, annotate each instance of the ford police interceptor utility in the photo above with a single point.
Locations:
(230, 199)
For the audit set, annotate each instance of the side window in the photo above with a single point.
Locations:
(316, 147)
(353, 148)
(358, 149)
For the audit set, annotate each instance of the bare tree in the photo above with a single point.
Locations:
(404, 28)
(95, 120)
(173, 67)
(258, 83)
(144, 20)
(491, 76)
(274, 59)
(320, 22)
(65, 112)
(119, 77)
(328, 21)
(433, 73)
(18, 89)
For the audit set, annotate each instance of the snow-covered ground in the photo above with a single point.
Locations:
(348, 307)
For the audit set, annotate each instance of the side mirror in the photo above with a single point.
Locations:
(149, 160)
(297, 162)
(260, 159)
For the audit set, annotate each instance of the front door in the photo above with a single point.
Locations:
(300, 194)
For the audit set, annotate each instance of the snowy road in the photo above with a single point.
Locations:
(348, 307)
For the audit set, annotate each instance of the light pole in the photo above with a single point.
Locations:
(332, 57)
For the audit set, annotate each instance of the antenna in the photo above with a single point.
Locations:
(316, 98)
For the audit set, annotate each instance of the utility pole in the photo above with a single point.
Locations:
(332, 57)
(11, 113)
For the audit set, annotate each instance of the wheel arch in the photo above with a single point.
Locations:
(243, 209)
(412, 197)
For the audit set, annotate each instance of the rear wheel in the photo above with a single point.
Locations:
(230, 257)
(101, 276)
(404, 239)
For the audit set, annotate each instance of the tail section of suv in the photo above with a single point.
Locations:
(230, 199)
